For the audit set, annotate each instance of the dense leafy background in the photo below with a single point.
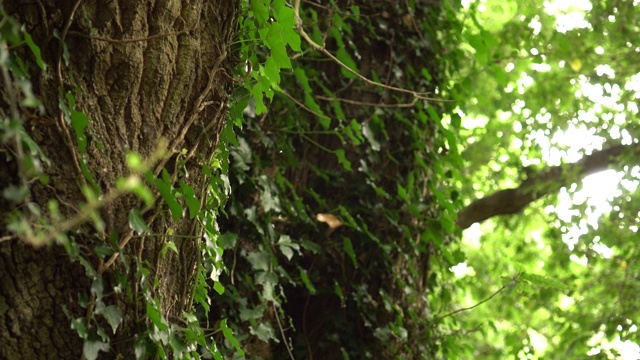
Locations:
(522, 76)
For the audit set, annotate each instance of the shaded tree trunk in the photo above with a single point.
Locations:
(141, 71)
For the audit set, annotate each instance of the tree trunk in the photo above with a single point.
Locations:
(141, 71)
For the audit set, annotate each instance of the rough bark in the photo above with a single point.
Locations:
(141, 71)
(512, 201)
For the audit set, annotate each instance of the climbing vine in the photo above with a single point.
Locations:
(343, 208)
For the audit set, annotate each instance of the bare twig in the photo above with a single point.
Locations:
(284, 338)
(304, 106)
(361, 103)
(199, 105)
(510, 283)
(61, 122)
(307, 38)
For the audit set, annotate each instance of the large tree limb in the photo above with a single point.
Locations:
(511, 201)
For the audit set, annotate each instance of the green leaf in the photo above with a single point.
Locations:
(544, 281)
(343, 160)
(272, 70)
(79, 121)
(286, 17)
(156, 317)
(137, 223)
(218, 287)
(80, 326)
(370, 136)
(276, 44)
(258, 91)
(264, 332)
(168, 245)
(260, 10)
(348, 248)
(169, 198)
(91, 348)
(35, 50)
(306, 281)
(287, 246)
(102, 250)
(229, 240)
(97, 287)
(15, 193)
(259, 260)
(310, 245)
(346, 59)
(228, 334)
(112, 314)
(190, 199)
(135, 162)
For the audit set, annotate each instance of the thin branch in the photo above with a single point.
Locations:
(8, 238)
(362, 103)
(304, 106)
(511, 201)
(284, 338)
(61, 122)
(305, 36)
(510, 283)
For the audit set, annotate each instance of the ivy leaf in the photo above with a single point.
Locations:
(286, 17)
(102, 250)
(168, 245)
(35, 50)
(15, 193)
(346, 59)
(137, 223)
(260, 10)
(91, 348)
(272, 70)
(343, 160)
(306, 281)
(190, 199)
(169, 198)
(370, 136)
(218, 287)
(277, 46)
(347, 245)
(287, 246)
(112, 314)
(156, 317)
(264, 332)
(80, 326)
(79, 121)
(259, 260)
(228, 334)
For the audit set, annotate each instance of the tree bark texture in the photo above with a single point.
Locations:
(141, 71)
(511, 201)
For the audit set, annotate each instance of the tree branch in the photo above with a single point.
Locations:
(511, 201)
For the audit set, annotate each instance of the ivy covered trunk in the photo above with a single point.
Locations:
(337, 209)
(120, 76)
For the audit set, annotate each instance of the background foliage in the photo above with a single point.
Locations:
(329, 223)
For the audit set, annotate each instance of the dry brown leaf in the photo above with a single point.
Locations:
(331, 220)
